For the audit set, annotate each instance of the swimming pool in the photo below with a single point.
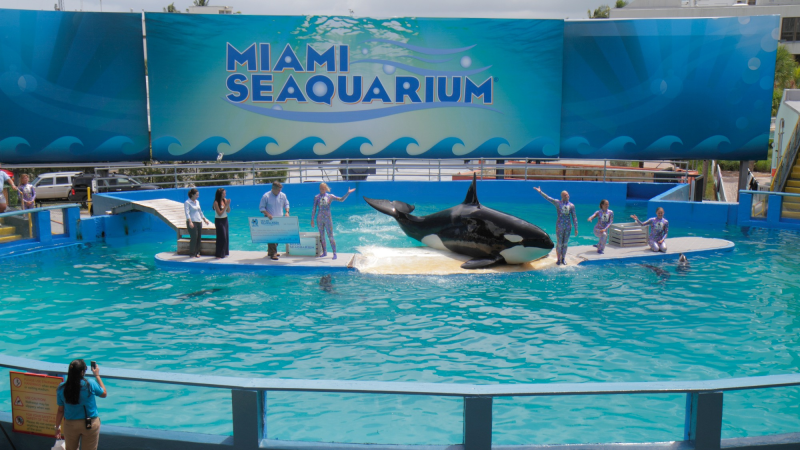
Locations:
(731, 315)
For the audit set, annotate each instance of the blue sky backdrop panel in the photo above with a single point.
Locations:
(668, 88)
(193, 119)
(72, 87)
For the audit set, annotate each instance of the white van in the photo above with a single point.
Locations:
(53, 185)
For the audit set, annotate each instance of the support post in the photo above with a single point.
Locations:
(300, 169)
(41, 226)
(440, 170)
(704, 420)
(742, 178)
(774, 206)
(477, 423)
(394, 161)
(527, 163)
(71, 218)
(605, 163)
(248, 413)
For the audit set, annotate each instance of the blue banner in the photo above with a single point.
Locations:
(72, 87)
(265, 87)
(668, 88)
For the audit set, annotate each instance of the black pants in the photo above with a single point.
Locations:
(272, 249)
(222, 237)
(194, 237)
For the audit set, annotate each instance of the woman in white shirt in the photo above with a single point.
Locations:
(194, 221)
(222, 206)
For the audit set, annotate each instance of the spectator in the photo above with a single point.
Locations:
(3, 178)
(27, 193)
(76, 404)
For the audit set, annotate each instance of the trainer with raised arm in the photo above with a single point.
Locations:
(273, 204)
(566, 217)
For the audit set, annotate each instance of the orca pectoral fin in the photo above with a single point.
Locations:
(479, 263)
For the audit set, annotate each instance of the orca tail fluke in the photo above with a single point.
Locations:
(394, 209)
(472, 193)
(479, 263)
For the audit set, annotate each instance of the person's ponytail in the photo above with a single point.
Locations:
(72, 388)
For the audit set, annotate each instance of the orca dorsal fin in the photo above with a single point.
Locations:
(472, 193)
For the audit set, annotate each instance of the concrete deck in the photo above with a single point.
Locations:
(256, 261)
(586, 254)
(428, 261)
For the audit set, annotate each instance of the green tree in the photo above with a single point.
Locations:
(620, 4)
(602, 12)
(786, 71)
(202, 2)
(171, 8)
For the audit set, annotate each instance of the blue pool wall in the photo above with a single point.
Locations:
(674, 198)
(124, 226)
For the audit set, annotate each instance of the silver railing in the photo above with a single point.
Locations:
(702, 426)
(301, 171)
(719, 185)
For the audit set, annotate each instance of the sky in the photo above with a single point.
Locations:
(541, 9)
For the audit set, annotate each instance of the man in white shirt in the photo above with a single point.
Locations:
(3, 178)
(273, 203)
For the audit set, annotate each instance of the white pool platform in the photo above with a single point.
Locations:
(256, 261)
(427, 261)
(689, 246)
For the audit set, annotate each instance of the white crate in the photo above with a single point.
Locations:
(309, 245)
(627, 235)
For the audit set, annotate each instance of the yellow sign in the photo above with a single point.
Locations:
(33, 403)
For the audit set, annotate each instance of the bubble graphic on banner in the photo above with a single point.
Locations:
(744, 20)
(288, 59)
(754, 64)
(466, 61)
(27, 83)
(388, 69)
(364, 51)
(769, 43)
(290, 90)
(277, 108)
(376, 91)
(658, 86)
(775, 33)
(766, 83)
(319, 89)
(406, 85)
(741, 123)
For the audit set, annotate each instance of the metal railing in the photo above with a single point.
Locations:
(301, 171)
(719, 185)
(787, 161)
(703, 420)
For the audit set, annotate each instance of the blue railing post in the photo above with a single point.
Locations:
(477, 423)
(774, 205)
(71, 218)
(41, 226)
(704, 420)
(247, 419)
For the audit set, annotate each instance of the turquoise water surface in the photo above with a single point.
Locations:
(732, 315)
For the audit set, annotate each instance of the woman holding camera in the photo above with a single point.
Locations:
(76, 404)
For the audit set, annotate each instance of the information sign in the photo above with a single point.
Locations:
(33, 403)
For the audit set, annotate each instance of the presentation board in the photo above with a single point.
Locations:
(278, 230)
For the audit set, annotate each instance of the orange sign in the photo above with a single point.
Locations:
(33, 403)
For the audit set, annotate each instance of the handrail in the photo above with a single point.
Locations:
(407, 388)
(22, 212)
(787, 161)
(782, 194)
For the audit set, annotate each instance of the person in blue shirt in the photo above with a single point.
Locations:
(76, 403)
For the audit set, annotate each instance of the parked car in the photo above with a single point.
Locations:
(109, 183)
(53, 186)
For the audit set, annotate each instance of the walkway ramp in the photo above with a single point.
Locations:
(170, 211)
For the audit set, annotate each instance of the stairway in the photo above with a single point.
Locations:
(790, 208)
(7, 233)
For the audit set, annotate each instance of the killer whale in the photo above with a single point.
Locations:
(488, 236)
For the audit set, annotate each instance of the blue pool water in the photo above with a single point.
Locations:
(731, 315)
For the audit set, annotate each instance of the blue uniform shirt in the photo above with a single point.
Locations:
(89, 388)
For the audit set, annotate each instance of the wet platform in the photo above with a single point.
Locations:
(690, 246)
(429, 261)
(246, 261)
